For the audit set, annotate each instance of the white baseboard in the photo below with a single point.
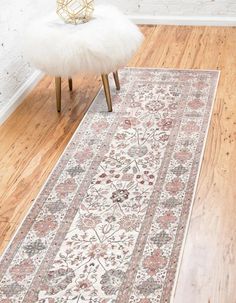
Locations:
(184, 20)
(19, 96)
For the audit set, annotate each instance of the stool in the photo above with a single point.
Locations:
(100, 47)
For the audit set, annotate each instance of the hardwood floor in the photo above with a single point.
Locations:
(35, 136)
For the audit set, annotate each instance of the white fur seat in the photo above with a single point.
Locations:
(100, 46)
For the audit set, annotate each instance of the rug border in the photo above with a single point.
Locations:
(5, 251)
(187, 227)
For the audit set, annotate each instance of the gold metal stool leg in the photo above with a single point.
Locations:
(116, 78)
(58, 93)
(70, 84)
(107, 91)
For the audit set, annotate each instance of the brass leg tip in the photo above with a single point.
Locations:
(70, 81)
(117, 81)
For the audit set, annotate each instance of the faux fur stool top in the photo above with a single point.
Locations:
(101, 46)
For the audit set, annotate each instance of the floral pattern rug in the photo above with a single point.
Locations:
(109, 224)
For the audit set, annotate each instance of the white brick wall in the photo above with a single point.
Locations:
(177, 7)
(15, 14)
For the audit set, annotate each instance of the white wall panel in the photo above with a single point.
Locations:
(14, 16)
(176, 7)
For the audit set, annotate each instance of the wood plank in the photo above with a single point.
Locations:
(7, 229)
(34, 137)
(208, 269)
(33, 140)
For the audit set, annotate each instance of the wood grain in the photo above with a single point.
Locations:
(34, 137)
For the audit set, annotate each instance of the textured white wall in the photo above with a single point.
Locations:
(15, 14)
(176, 7)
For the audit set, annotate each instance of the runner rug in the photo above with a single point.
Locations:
(110, 222)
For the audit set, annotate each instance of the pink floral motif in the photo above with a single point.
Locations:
(129, 122)
(184, 77)
(154, 262)
(154, 106)
(200, 85)
(164, 138)
(129, 222)
(20, 271)
(65, 188)
(100, 125)
(89, 221)
(83, 285)
(98, 250)
(45, 226)
(120, 136)
(175, 186)
(127, 177)
(167, 219)
(195, 104)
(173, 106)
(166, 124)
(149, 124)
(84, 155)
(183, 156)
(190, 127)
